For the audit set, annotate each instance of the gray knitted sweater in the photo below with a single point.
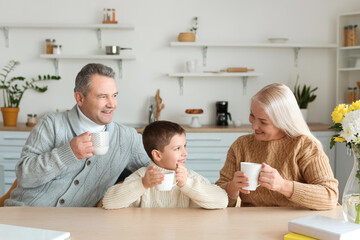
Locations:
(49, 174)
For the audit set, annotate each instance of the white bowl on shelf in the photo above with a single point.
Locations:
(278, 40)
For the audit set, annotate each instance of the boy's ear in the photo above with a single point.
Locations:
(156, 155)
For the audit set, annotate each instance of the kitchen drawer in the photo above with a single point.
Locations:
(13, 138)
(213, 157)
(194, 150)
(10, 177)
(8, 165)
(211, 139)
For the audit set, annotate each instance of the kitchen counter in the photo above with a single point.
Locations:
(204, 128)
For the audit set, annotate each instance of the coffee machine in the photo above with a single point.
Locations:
(222, 114)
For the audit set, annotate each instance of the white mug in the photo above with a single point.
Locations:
(252, 171)
(100, 141)
(191, 66)
(168, 183)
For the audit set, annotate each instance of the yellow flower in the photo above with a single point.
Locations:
(354, 106)
(339, 139)
(339, 112)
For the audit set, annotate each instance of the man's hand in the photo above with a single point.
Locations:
(152, 177)
(82, 146)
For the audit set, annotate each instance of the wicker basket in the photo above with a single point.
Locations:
(186, 37)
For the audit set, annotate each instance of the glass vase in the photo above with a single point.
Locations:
(351, 195)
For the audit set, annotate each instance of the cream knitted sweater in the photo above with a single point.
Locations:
(197, 192)
(298, 159)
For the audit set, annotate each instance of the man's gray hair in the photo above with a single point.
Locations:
(82, 81)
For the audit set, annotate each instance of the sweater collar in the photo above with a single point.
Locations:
(152, 163)
(75, 122)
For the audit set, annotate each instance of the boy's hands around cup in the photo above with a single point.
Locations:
(181, 175)
(152, 177)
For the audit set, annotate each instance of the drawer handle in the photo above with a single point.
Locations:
(212, 159)
(204, 139)
(11, 158)
(15, 138)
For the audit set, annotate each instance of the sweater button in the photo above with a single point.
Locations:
(76, 182)
(88, 163)
(62, 201)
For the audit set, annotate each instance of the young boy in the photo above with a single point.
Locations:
(165, 143)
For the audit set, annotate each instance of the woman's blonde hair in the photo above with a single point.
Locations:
(280, 105)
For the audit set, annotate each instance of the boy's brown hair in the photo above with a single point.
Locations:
(158, 134)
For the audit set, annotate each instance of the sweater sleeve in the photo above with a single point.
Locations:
(203, 193)
(126, 194)
(139, 157)
(227, 173)
(320, 192)
(40, 160)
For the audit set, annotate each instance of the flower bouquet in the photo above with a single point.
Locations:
(346, 120)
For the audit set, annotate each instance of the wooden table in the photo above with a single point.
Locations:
(141, 223)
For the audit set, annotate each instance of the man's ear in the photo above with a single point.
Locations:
(156, 155)
(79, 97)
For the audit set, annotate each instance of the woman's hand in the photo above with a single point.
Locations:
(271, 179)
(237, 184)
(152, 177)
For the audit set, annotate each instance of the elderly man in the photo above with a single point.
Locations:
(57, 165)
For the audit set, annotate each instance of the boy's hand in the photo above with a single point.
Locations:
(152, 178)
(181, 175)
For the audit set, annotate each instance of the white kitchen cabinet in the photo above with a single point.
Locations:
(11, 144)
(324, 137)
(207, 152)
(344, 164)
(348, 72)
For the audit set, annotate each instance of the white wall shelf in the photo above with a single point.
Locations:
(118, 58)
(98, 27)
(295, 46)
(347, 72)
(243, 75)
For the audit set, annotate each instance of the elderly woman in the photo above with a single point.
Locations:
(295, 170)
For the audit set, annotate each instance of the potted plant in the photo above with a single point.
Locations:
(304, 95)
(189, 36)
(13, 92)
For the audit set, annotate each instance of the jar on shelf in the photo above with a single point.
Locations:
(57, 49)
(31, 120)
(49, 45)
(351, 95)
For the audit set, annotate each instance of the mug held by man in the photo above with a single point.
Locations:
(100, 141)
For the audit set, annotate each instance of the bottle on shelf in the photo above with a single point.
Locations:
(113, 15)
(57, 49)
(351, 95)
(49, 45)
(350, 35)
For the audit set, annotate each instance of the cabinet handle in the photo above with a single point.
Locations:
(204, 139)
(11, 158)
(212, 159)
(14, 138)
